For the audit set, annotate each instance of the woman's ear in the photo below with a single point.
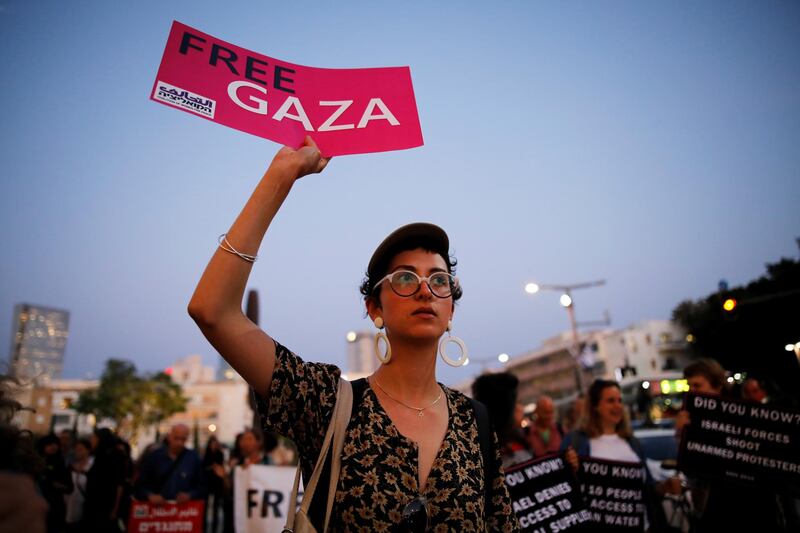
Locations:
(373, 308)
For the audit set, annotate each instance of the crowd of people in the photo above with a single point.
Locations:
(598, 426)
(87, 483)
(65, 484)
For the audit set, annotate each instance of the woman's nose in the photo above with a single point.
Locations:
(425, 290)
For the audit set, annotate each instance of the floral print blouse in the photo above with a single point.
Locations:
(379, 465)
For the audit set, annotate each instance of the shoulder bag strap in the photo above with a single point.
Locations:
(335, 435)
(317, 509)
(485, 440)
(342, 420)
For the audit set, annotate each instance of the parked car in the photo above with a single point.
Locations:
(661, 453)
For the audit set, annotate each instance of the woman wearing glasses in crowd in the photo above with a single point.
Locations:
(411, 459)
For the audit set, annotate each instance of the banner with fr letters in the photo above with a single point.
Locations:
(345, 111)
(545, 496)
(746, 442)
(261, 495)
(614, 493)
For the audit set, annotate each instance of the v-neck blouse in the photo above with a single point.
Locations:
(379, 465)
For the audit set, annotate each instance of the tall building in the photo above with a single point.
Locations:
(38, 340)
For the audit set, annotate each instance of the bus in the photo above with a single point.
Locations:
(654, 400)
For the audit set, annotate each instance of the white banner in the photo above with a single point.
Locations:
(261, 496)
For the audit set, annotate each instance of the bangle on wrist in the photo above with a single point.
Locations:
(226, 245)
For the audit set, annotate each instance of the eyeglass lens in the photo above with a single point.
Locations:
(415, 516)
(407, 283)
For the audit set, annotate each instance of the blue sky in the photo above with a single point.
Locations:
(654, 145)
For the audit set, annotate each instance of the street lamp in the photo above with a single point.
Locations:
(568, 303)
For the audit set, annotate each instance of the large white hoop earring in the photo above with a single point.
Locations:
(458, 342)
(384, 358)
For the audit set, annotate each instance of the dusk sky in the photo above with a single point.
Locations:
(652, 144)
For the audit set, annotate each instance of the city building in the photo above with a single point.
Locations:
(49, 407)
(38, 339)
(361, 359)
(218, 408)
(215, 407)
(551, 369)
(644, 349)
(190, 370)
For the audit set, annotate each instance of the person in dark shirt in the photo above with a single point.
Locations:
(498, 392)
(171, 472)
(214, 468)
(105, 484)
(55, 483)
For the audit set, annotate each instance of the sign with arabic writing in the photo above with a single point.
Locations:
(345, 111)
(148, 518)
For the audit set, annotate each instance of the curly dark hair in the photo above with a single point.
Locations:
(367, 288)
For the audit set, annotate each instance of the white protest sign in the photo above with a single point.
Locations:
(261, 495)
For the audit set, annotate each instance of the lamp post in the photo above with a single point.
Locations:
(569, 304)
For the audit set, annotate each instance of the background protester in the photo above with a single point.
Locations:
(752, 391)
(498, 392)
(214, 468)
(55, 482)
(721, 505)
(81, 463)
(544, 436)
(250, 451)
(280, 454)
(171, 471)
(22, 507)
(574, 417)
(128, 470)
(105, 484)
(606, 434)
(252, 448)
(67, 442)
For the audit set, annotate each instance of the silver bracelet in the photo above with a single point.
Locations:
(226, 245)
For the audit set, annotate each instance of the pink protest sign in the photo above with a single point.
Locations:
(346, 111)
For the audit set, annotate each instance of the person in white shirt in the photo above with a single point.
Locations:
(81, 463)
(606, 434)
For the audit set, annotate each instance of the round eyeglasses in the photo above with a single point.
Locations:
(415, 516)
(407, 283)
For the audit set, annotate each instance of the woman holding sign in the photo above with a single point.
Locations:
(606, 434)
(411, 459)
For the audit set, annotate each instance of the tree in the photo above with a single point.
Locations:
(132, 401)
(752, 336)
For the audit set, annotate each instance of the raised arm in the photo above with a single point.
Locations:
(216, 304)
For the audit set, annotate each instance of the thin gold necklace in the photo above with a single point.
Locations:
(420, 410)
